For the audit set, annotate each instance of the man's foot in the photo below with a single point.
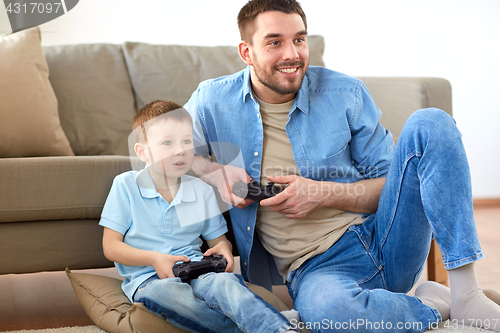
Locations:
(492, 294)
(294, 318)
(469, 304)
(436, 295)
(475, 309)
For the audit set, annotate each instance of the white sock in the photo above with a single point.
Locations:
(468, 302)
(436, 295)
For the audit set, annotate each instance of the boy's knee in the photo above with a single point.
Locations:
(162, 288)
(221, 280)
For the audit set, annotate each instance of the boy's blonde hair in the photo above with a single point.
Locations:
(157, 110)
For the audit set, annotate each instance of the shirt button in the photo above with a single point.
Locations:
(245, 263)
(256, 153)
(248, 228)
(258, 115)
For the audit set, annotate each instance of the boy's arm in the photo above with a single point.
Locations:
(116, 250)
(222, 246)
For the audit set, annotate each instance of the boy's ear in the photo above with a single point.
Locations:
(141, 152)
(244, 51)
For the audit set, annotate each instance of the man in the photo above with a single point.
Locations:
(352, 230)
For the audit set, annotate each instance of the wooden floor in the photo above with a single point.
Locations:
(46, 300)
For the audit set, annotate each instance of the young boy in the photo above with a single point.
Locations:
(154, 218)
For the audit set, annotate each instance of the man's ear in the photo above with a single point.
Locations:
(244, 51)
(141, 152)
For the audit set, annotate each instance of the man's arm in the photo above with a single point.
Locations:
(303, 196)
(359, 197)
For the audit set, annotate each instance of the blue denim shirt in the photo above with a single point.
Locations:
(333, 128)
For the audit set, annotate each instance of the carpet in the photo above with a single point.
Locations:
(443, 328)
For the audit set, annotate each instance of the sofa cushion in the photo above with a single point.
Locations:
(29, 123)
(96, 103)
(173, 72)
(56, 188)
(36, 246)
(108, 307)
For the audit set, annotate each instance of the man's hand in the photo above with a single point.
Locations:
(224, 177)
(163, 264)
(221, 246)
(227, 176)
(302, 196)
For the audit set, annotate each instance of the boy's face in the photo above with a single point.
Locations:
(170, 151)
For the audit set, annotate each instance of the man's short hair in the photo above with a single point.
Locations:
(155, 111)
(249, 12)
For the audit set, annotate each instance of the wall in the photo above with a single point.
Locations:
(455, 39)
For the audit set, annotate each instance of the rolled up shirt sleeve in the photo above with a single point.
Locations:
(372, 146)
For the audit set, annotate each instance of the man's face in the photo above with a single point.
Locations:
(279, 55)
(171, 149)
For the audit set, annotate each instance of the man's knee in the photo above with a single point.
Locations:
(330, 304)
(431, 118)
(430, 124)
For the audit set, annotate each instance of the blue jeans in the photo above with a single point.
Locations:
(212, 303)
(360, 283)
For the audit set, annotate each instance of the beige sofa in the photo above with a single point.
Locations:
(50, 205)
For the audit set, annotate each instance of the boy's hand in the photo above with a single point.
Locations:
(223, 248)
(163, 264)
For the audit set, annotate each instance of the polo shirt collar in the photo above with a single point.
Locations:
(148, 190)
(301, 100)
(186, 191)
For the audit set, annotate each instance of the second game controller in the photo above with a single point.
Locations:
(191, 270)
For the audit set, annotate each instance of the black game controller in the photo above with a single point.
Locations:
(191, 270)
(254, 191)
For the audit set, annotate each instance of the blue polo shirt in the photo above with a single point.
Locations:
(135, 209)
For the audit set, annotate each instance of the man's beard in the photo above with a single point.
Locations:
(271, 81)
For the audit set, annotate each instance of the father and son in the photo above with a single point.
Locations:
(345, 258)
